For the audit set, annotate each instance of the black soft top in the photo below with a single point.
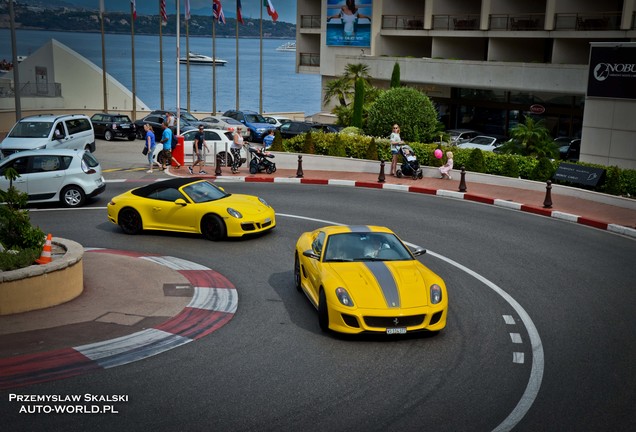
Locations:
(176, 183)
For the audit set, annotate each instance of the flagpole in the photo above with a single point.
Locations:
(178, 72)
(213, 66)
(260, 84)
(187, 62)
(132, 39)
(237, 63)
(103, 59)
(160, 54)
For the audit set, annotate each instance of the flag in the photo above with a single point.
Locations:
(162, 10)
(270, 9)
(101, 8)
(134, 9)
(239, 15)
(187, 9)
(217, 11)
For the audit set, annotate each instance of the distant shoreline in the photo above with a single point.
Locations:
(143, 34)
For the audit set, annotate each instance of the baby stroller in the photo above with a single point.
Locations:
(410, 165)
(260, 161)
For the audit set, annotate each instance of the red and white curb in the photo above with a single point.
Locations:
(213, 304)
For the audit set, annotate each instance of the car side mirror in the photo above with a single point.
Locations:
(181, 202)
(311, 254)
(419, 251)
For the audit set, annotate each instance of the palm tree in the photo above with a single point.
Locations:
(530, 138)
(340, 89)
(355, 71)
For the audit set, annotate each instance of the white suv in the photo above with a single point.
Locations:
(71, 131)
(67, 176)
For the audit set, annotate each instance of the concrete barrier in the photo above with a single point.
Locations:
(41, 286)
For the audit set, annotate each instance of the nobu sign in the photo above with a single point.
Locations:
(612, 71)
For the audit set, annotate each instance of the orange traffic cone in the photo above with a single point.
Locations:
(45, 257)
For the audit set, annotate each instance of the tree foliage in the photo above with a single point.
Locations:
(409, 108)
(531, 138)
(358, 103)
(395, 76)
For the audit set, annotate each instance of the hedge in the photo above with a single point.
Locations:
(618, 181)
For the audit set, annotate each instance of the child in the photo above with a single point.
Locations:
(448, 166)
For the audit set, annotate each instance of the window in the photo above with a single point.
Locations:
(19, 164)
(77, 125)
(44, 164)
(316, 245)
(212, 136)
(166, 194)
(26, 129)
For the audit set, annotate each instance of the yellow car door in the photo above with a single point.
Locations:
(169, 209)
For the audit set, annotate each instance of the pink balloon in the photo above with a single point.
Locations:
(438, 153)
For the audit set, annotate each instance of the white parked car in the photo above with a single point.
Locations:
(67, 176)
(460, 136)
(70, 131)
(485, 143)
(225, 123)
(277, 121)
(218, 139)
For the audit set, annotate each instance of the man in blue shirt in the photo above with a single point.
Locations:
(167, 140)
(269, 139)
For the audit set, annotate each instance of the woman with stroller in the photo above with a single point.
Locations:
(396, 142)
(445, 169)
(235, 149)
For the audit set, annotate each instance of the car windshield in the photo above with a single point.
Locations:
(27, 129)
(365, 246)
(204, 191)
(255, 118)
(230, 120)
(187, 116)
(482, 140)
(121, 119)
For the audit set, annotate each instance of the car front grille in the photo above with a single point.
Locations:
(401, 321)
(253, 226)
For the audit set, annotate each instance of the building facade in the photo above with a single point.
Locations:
(487, 64)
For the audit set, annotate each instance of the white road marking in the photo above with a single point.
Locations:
(509, 320)
(517, 357)
(516, 338)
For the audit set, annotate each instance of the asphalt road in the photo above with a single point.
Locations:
(539, 336)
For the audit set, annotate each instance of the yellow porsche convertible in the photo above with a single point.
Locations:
(193, 206)
(364, 279)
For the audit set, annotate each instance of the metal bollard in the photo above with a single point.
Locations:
(462, 181)
(381, 176)
(547, 202)
(217, 160)
(299, 171)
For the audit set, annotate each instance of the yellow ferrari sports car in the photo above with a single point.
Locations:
(193, 206)
(364, 279)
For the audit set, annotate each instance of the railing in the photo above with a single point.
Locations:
(455, 22)
(310, 21)
(309, 59)
(588, 21)
(402, 22)
(517, 22)
(32, 90)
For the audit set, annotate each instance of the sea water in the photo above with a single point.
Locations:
(283, 89)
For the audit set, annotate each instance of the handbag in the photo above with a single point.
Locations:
(145, 151)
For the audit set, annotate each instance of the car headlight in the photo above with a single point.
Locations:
(436, 294)
(343, 296)
(234, 213)
(263, 202)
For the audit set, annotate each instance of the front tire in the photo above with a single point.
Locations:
(212, 227)
(225, 158)
(130, 221)
(73, 196)
(108, 135)
(323, 312)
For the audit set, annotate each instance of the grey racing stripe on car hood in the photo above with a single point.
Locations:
(386, 281)
(359, 228)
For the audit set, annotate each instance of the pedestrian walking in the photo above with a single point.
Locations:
(198, 156)
(396, 142)
(235, 149)
(150, 145)
(445, 170)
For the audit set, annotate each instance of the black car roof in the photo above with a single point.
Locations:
(176, 183)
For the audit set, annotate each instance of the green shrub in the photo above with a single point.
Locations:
(16, 259)
(475, 161)
(544, 170)
(308, 147)
(352, 130)
(277, 145)
(336, 148)
(612, 183)
(372, 150)
(510, 167)
(358, 102)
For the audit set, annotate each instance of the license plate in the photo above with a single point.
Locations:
(396, 330)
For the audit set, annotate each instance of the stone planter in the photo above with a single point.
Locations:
(41, 286)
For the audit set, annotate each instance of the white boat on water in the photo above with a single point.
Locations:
(202, 59)
(289, 46)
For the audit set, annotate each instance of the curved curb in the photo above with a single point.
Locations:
(213, 304)
(595, 223)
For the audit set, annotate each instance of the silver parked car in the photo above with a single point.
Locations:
(67, 176)
(225, 123)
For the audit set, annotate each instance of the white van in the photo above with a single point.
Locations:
(70, 131)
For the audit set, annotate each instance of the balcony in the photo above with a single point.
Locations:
(525, 22)
(588, 21)
(310, 21)
(455, 22)
(309, 59)
(402, 22)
